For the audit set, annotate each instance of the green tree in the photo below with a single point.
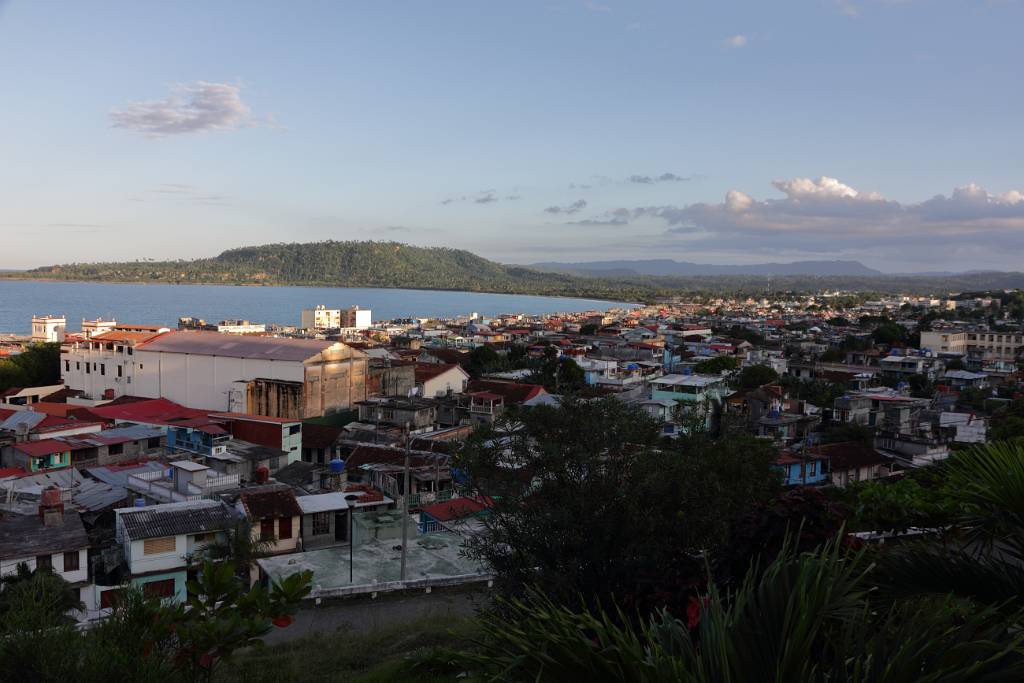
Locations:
(753, 376)
(716, 365)
(587, 501)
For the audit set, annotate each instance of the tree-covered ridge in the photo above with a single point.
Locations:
(396, 265)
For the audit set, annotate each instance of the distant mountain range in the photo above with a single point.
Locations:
(395, 265)
(670, 268)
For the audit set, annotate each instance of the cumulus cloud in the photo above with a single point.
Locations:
(190, 108)
(829, 216)
(575, 207)
(738, 40)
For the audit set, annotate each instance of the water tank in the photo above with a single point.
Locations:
(140, 502)
(262, 474)
(337, 466)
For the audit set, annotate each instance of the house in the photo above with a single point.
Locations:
(453, 515)
(852, 462)
(159, 543)
(326, 517)
(274, 432)
(439, 379)
(802, 469)
(414, 413)
(245, 460)
(320, 443)
(275, 516)
(38, 456)
(962, 379)
(272, 376)
(54, 539)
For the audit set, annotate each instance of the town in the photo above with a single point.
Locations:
(333, 441)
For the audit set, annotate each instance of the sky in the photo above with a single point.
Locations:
(884, 131)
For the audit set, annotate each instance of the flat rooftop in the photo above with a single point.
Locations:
(430, 556)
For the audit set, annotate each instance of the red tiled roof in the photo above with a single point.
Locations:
(456, 508)
(512, 392)
(152, 411)
(428, 371)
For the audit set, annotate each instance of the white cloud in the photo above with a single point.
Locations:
(829, 216)
(190, 108)
(738, 40)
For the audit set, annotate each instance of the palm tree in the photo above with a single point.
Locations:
(238, 546)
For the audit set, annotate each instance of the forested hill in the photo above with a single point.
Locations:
(350, 264)
(395, 265)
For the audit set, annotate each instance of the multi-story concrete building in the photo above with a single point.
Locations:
(982, 344)
(103, 367)
(321, 318)
(355, 317)
(48, 328)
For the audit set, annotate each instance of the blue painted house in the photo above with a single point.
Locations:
(803, 469)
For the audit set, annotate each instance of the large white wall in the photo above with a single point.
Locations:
(57, 559)
(204, 382)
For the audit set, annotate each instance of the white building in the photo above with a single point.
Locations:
(91, 328)
(104, 366)
(357, 318)
(986, 345)
(276, 377)
(48, 328)
(321, 318)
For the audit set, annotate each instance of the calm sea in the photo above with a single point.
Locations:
(164, 304)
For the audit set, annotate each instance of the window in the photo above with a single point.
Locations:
(266, 529)
(295, 429)
(120, 371)
(67, 366)
(71, 561)
(153, 442)
(44, 562)
(87, 368)
(78, 365)
(116, 449)
(156, 546)
(284, 527)
(321, 523)
(103, 368)
(140, 366)
(163, 588)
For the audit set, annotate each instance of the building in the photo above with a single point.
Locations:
(802, 469)
(224, 326)
(356, 318)
(48, 328)
(273, 432)
(321, 318)
(159, 541)
(275, 517)
(103, 366)
(977, 343)
(270, 376)
(54, 539)
(852, 462)
(91, 328)
(439, 379)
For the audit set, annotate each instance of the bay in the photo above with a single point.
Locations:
(163, 304)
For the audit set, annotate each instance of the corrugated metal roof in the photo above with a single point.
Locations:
(235, 346)
(28, 537)
(173, 519)
(26, 417)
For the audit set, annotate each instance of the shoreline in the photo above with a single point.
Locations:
(3, 276)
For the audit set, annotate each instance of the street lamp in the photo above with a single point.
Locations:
(350, 501)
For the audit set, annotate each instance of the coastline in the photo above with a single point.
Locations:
(317, 285)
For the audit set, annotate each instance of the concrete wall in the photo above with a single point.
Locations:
(203, 381)
(57, 559)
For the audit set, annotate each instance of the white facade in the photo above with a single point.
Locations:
(57, 561)
(357, 318)
(321, 318)
(103, 367)
(91, 328)
(48, 328)
(206, 382)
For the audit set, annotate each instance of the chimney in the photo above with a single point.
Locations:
(51, 509)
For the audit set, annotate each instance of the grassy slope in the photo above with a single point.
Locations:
(374, 657)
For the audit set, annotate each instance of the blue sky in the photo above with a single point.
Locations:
(887, 131)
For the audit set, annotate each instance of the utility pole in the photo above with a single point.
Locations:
(405, 498)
